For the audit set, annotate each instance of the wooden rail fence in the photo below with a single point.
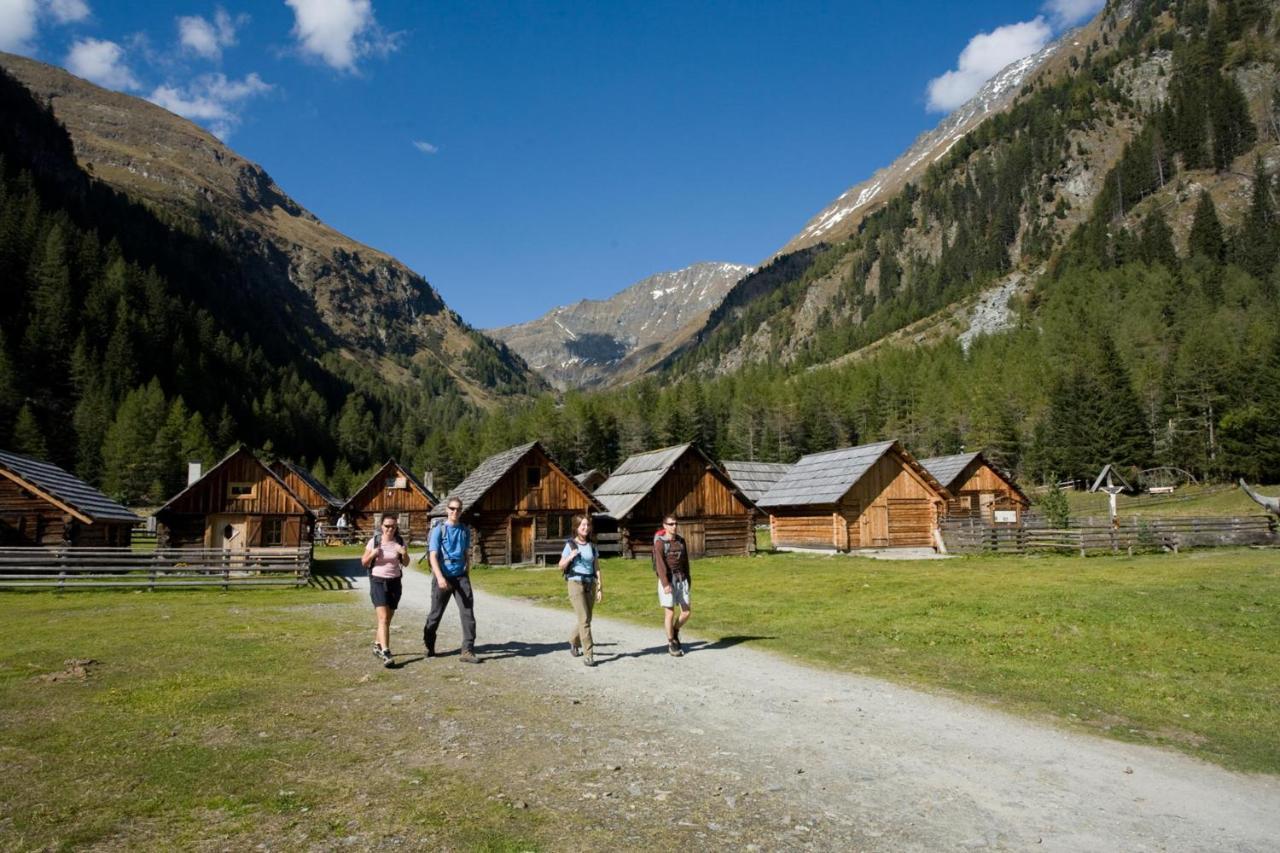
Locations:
(967, 536)
(105, 568)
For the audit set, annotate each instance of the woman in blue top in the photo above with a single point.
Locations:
(581, 566)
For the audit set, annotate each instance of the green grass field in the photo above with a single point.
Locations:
(1177, 650)
(224, 720)
(1212, 500)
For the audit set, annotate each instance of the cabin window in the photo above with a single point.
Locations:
(559, 526)
(240, 491)
(273, 531)
(533, 478)
(397, 483)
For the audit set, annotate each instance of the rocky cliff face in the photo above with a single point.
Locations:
(368, 305)
(595, 342)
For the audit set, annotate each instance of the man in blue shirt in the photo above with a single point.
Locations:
(449, 550)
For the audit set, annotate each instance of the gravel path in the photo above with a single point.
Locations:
(849, 761)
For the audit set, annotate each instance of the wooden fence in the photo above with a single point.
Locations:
(105, 568)
(968, 536)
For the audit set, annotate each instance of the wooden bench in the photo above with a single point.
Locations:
(1160, 490)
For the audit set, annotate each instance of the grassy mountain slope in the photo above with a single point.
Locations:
(365, 305)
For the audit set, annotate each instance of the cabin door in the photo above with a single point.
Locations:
(987, 503)
(695, 537)
(521, 540)
(229, 533)
(875, 527)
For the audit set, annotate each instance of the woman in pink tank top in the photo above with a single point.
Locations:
(385, 556)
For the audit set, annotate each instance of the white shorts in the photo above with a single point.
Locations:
(679, 594)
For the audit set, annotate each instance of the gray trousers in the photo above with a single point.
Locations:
(459, 588)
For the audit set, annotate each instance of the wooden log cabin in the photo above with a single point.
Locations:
(520, 504)
(978, 488)
(315, 494)
(871, 496)
(392, 490)
(43, 505)
(239, 504)
(716, 518)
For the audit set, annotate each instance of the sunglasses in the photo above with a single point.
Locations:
(454, 508)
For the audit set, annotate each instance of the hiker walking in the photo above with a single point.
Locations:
(671, 563)
(581, 566)
(449, 551)
(385, 556)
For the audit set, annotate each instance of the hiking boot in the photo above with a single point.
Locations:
(387, 660)
(468, 656)
(575, 651)
(430, 646)
(673, 648)
(589, 660)
(377, 651)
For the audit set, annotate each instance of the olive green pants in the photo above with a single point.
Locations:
(583, 598)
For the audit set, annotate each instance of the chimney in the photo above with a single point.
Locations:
(193, 472)
(429, 480)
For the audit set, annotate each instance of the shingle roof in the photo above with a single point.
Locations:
(587, 475)
(310, 479)
(824, 478)
(635, 478)
(754, 478)
(66, 489)
(946, 468)
(490, 471)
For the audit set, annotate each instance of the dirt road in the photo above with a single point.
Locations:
(774, 754)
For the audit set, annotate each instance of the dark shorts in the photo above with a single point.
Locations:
(385, 592)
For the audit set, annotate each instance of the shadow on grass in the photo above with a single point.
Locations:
(336, 574)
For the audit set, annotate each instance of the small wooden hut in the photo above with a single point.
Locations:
(521, 504)
(754, 478)
(591, 480)
(315, 494)
(392, 490)
(978, 488)
(239, 504)
(716, 518)
(41, 504)
(872, 496)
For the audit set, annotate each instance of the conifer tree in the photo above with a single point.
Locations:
(1257, 244)
(1205, 239)
(28, 436)
(1156, 242)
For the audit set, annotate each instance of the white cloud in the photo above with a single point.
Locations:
(210, 99)
(17, 25)
(68, 11)
(985, 55)
(1068, 13)
(207, 38)
(425, 147)
(101, 62)
(339, 32)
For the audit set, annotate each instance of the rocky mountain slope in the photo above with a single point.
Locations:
(1001, 186)
(595, 342)
(366, 305)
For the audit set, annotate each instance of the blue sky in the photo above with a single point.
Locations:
(523, 155)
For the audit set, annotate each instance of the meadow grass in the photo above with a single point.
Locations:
(1177, 650)
(222, 719)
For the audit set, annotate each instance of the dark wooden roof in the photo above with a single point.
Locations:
(226, 460)
(824, 478)
(487, 474)
(68, 492)
(381, 474)
(310, 479)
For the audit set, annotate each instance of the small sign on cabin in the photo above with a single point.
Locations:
(1006, 516)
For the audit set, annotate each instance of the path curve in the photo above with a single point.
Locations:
(911, 769)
